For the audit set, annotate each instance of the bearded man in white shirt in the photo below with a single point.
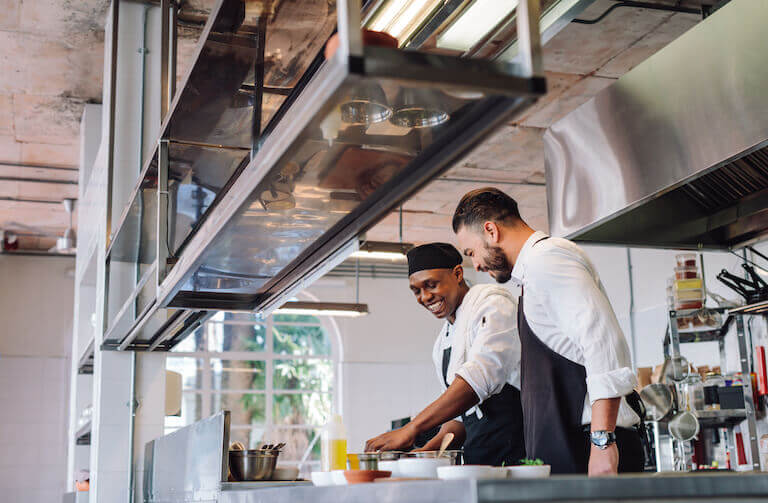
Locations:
(575, 373)
(477, 359)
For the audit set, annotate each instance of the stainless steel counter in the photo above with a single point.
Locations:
(637, 488)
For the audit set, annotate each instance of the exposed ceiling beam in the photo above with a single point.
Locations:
(35, 201)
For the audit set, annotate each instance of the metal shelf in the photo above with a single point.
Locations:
(83, 435)
(85, 364)
(720, 418)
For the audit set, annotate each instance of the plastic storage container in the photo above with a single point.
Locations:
(686, 259)
(686, 272)
(334, 445)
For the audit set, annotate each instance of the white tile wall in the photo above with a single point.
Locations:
(33, 404)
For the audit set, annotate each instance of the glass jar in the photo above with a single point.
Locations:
(694, 389)
(712, 382)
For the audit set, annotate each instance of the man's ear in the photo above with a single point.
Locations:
(492, 231)
(458, 273)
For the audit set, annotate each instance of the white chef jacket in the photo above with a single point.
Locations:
(493, 345)
(567, 308)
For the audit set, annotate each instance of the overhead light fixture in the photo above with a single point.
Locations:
(401, 18)
(323, 309)
(474, 23)
(380, 250)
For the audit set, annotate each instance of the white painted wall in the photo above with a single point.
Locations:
(36, 319)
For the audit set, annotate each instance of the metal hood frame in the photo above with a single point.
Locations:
(674, 154)
(286, 214)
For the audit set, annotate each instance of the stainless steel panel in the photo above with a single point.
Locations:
(614, 163)
(189, 464)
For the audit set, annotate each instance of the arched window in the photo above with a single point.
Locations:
(277, 377)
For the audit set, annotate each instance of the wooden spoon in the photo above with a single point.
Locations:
(447, 439)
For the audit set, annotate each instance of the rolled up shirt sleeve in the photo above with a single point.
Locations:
(579, 307)
(493, 357)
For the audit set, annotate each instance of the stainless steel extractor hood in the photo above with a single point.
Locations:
(675, 153)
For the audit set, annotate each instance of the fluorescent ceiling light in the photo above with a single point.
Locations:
(402, 18)
(379, 250)
(323, 309)
(475, 23)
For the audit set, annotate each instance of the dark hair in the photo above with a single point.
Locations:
(481, 205)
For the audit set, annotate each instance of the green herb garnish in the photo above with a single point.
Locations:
(531, 462)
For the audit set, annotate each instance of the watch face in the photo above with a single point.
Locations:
(599, 438)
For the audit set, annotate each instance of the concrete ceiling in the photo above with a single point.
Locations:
(51, 55)
(51, 61)
(579, 62)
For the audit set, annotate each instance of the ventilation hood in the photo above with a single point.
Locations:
(675, 153)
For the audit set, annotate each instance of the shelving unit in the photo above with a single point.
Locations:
(83, 435)
(85, 364)
(720, 418)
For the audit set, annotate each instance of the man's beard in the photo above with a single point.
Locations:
(497, 264)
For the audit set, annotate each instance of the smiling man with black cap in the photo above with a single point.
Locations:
(477, 358)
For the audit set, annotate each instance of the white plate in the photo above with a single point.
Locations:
(528, 471)
(390, 466)
(322, 479)
(477, 472)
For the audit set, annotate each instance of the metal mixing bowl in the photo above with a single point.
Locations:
(252, 464)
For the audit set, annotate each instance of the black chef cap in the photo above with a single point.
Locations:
(433, 256)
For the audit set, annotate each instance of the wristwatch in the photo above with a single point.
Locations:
(602, 438)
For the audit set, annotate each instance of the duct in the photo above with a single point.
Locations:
(675, 153)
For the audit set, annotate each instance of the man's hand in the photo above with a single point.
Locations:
(603, 462)
(402, 438)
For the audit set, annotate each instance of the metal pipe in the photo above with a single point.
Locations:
(528, 37)
(35, 180)
(165, 10)
(36, 166)
(632, 311)
(638, 5)
(132, 406)
(111, 127)
(35, 201)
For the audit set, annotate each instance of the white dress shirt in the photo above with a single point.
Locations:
(567, 308)
(492, 344)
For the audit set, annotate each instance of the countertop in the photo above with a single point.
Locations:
(656, 488)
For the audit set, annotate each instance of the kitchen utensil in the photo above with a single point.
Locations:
(451, 455)
(322, 479)
(253, 464)
(675, 369)
(684, 426)
(285, 473)
(528, 471)
(364, 476)
(658, 401)
(447, 439)
(279, 446)
(421, 467)
(468, 472)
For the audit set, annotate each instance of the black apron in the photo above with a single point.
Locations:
(498, 437)
(553, 389)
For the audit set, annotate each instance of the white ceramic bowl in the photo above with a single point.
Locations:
(338, 477)
(285, 473)
(322, 479)
(528, 471)
(390, 466)
(422, 468)
(464, 472)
